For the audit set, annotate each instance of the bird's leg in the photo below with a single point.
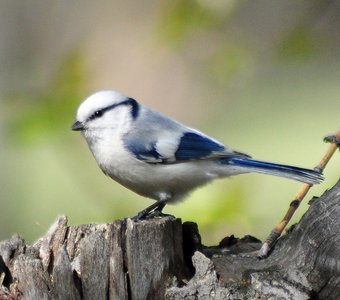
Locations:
(154, 210)
(157, 212)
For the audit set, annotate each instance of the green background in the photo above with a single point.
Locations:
(260, 76)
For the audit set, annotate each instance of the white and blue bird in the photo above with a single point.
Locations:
(159, 158)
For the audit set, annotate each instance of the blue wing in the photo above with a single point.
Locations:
(189, 146)
(193, 146)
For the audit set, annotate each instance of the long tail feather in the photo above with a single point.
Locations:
(295, 173)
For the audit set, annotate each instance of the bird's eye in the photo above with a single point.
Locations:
(98, 113)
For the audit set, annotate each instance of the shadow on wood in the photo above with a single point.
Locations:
(165, 259)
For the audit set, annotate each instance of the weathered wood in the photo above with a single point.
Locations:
(122, 260)
(305, 264)
(164, 259)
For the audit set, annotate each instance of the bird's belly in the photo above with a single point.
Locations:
(156, 180)
(152, 180)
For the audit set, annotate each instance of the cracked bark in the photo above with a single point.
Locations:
(165, 259)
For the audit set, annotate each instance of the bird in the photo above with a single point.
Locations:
(160, 158)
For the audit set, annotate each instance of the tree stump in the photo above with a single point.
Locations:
(165, 259)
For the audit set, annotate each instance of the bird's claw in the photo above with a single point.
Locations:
(150, 215)
(139, 217)
(157, 214)
(142, 215)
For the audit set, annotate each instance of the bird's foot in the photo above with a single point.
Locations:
(332, 139)
(150, 215)
(142, 215)
(152, 211)
(157, 214)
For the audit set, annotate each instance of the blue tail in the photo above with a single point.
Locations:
(295, 173)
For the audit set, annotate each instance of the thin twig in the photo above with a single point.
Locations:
(277, 231)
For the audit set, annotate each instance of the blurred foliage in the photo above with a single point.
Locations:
(49, 111)
(181, 18)
(299, 45)
(206, 22)
(210, 25)
(229, 60)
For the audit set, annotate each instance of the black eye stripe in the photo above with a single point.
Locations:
(134, 107)
(96, 114)
(129, 101)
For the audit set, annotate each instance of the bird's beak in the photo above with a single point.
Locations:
(77, 126)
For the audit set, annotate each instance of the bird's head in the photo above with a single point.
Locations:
(105, 110)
